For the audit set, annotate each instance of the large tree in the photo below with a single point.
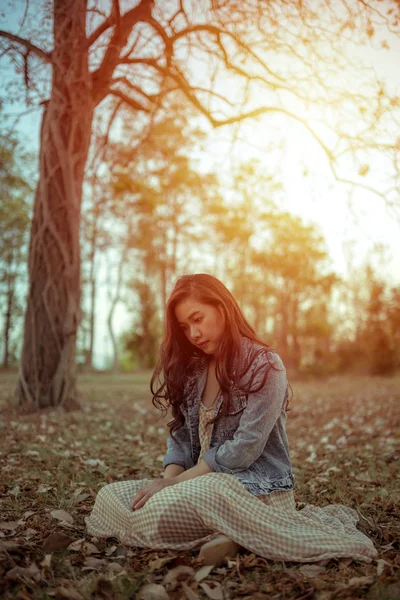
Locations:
(231, 59)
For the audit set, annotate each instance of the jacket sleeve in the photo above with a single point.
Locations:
(179, 453)
(257, 421)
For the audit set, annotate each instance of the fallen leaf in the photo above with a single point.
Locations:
(62, 515)
(8, 525)
(215, 593)
(203, 572)
(93, 563)
(68, 592)
(15, 491)
(103, 589)
(81, 497)
(179, 573)
(83, 546)
(190, 594)
(31, 573)
(380, 566)
(31, 453)
(153, 591)
(28, 533)
(115, 567)
(312, 570)
(158, 563)
(46, 562)
(8, 545)
(110, 551)
(361, 581)
(43, 489)
(56, 541)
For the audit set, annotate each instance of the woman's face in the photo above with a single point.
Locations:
(203, 324)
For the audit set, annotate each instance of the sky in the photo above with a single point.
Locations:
(317, 198)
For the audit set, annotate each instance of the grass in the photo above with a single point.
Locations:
(344, 437)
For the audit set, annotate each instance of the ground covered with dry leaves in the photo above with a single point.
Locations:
(344, 441)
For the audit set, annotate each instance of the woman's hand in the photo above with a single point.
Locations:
(148, 491)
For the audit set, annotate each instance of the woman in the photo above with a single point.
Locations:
(227, 448)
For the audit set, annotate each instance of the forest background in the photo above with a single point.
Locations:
(142, 139)
(295, 208)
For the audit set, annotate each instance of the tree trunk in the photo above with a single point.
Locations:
(93, 288)
(47, 374)
(10, 300)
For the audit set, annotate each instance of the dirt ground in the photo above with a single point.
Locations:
(344, 440)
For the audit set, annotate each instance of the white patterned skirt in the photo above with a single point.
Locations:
(188, 514)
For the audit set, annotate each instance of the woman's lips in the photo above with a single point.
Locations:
(203, 344)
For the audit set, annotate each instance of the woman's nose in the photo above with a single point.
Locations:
(194, 333)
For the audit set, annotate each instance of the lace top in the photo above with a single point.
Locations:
(205, 416)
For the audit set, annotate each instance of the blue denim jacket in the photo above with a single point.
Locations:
(250, 442)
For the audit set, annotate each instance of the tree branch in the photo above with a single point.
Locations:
(130, 101)
(46, 56)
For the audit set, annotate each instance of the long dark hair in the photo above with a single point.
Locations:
(178, 358)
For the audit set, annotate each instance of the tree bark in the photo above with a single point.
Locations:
(93, 291)
(10, 304)
(47, 374)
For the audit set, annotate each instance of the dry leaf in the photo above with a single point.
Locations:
(190, 594)
(110, 551)
(62, 515)
(68, 592)
(46, 562)
(81, 497)
(380, 566)
(203, 572)
(8, 545)
(56, 541)
(83, 546)
(103, 590)
(312, 570)
(43, 489)
(15, 491)
(179, 573)
(361, 581)
(93, 563)
(8, 525)
(215, 593)
(28, 533)
(31, 573)
(153, 591)
(115, 567)
(158, 563)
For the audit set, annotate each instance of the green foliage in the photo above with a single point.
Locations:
(15, 197)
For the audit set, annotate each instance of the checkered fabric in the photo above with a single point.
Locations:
(188, 514)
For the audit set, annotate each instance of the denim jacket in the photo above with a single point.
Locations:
(250, 442)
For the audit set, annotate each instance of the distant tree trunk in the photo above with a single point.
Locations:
(283, 329)
(114, 302)
(93, 288)
(10, 298)
(296, 348)
(47, 374)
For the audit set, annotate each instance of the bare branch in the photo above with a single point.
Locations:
(102, 76)
(46, 56)
(129, 101)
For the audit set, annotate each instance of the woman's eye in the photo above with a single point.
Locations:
(197, 320)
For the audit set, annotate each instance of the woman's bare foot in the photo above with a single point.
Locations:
(215, 551)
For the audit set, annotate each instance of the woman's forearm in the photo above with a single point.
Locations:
(172, 470)
(201, 468)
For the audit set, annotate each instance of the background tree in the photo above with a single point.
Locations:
(15, 207)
